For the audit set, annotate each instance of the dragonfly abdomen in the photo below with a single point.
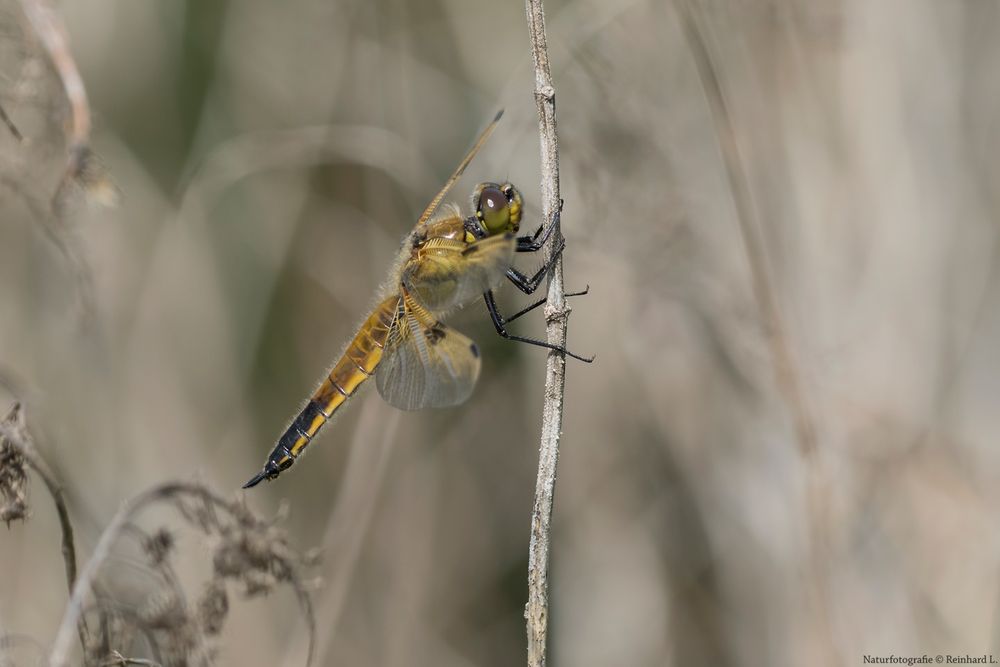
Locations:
(357, 364)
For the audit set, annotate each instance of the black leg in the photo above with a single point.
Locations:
(533, 243)
(499, 322)
(528, 284)
(540, 302)
(527, 239)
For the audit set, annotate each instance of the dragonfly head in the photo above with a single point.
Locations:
(498, 207)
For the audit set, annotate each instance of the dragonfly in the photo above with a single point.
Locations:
(446, 262)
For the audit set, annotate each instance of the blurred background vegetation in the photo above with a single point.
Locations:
(270, 156)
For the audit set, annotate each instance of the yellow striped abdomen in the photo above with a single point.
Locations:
(357, 364)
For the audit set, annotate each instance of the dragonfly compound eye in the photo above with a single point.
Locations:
(493, 209)
(516, 204)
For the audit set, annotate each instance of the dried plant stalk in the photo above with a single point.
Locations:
(785, 369)
(556, 316)
(49, 27)
(83, 171)
(250, 553)
(13, 430)
(10, 125)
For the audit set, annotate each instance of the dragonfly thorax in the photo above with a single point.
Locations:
(498, 208)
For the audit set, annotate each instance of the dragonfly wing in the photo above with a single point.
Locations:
(426, 364)
(448, 273)
(431, 207)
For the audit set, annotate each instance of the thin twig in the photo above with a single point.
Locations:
(10, 124)
(14, 430)
(118, 660)
(556, 316)
(82, 166)
(48, 25)
(56, 233)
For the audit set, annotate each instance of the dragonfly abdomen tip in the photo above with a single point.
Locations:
(255, 480)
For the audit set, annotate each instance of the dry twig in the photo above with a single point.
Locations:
(83, 171)
(49, 27)
(118, 660)
(14, 434)
(556, 316)
(10, 124)
(13, 430)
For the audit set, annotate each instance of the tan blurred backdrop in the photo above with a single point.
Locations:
(272, 155)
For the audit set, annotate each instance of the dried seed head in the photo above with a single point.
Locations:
(13, 473)
(213, 607)
(159, 546)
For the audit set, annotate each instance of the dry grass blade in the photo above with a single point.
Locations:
(10, 124)
(51, 32)
(84, 170)
(785, 369)
(44, 38)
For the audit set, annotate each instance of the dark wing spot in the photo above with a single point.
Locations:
(474, 349)
(434, 334)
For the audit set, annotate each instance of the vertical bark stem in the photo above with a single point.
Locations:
(556, 316)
